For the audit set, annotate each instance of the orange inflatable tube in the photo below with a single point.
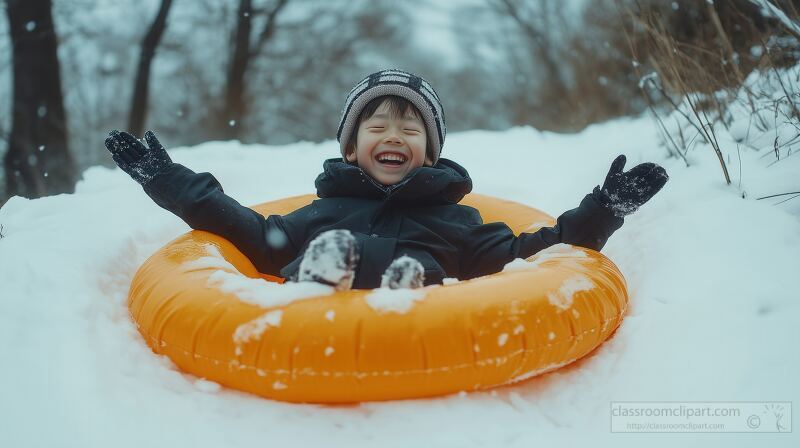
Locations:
(339, 347)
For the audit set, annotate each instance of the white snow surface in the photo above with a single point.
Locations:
(712, 280)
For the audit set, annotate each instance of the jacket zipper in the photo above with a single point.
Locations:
(387, 191)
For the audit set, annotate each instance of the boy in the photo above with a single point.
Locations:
(388, 213)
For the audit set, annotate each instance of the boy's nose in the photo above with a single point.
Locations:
(393, 138)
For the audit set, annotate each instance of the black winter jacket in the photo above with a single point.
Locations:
(419, 217)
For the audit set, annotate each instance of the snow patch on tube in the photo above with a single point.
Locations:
(558, 251)
(563, 297)
(255, 328)
(393, 300)
(214, 261)
(256, 291)
(263, 293)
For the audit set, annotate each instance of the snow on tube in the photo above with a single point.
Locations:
(202, 303)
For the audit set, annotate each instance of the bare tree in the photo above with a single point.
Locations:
(540, 51)
(38, 161)
(235, 106)
(141, 89)
(308, 68)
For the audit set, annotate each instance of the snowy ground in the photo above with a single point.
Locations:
(712, 277)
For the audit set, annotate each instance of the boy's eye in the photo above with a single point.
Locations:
(376, 128)
(411, 130)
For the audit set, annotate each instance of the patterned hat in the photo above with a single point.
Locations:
(398, 83)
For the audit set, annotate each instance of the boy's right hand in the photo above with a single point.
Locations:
(623, 192)
(140, 162)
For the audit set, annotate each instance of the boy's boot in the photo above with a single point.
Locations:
(330, 259)
(404, 272)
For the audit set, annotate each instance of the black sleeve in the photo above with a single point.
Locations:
(488, 247)
(198, 199)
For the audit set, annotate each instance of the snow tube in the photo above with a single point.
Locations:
(367, 345)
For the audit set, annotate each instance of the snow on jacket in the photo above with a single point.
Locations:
(419, 217)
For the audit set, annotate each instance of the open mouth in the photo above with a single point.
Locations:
(391, 159)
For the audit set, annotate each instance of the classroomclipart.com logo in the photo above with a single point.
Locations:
(701, 416)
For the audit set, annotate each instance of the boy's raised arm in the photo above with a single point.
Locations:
(199, 200)
(489, 247)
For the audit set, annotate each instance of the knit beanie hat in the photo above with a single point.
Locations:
(398, 83)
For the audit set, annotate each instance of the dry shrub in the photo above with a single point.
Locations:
(693, 57)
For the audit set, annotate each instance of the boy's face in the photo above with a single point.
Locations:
(388, 147)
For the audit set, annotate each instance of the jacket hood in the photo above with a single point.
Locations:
(445, 182)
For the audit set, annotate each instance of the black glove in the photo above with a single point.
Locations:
(140, 162)
(624, 192)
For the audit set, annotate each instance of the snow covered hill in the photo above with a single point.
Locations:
(713, 282)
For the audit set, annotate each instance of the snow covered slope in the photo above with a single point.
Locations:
(714, 309)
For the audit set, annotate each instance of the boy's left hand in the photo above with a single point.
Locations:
(624, 192)
(141, 162)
